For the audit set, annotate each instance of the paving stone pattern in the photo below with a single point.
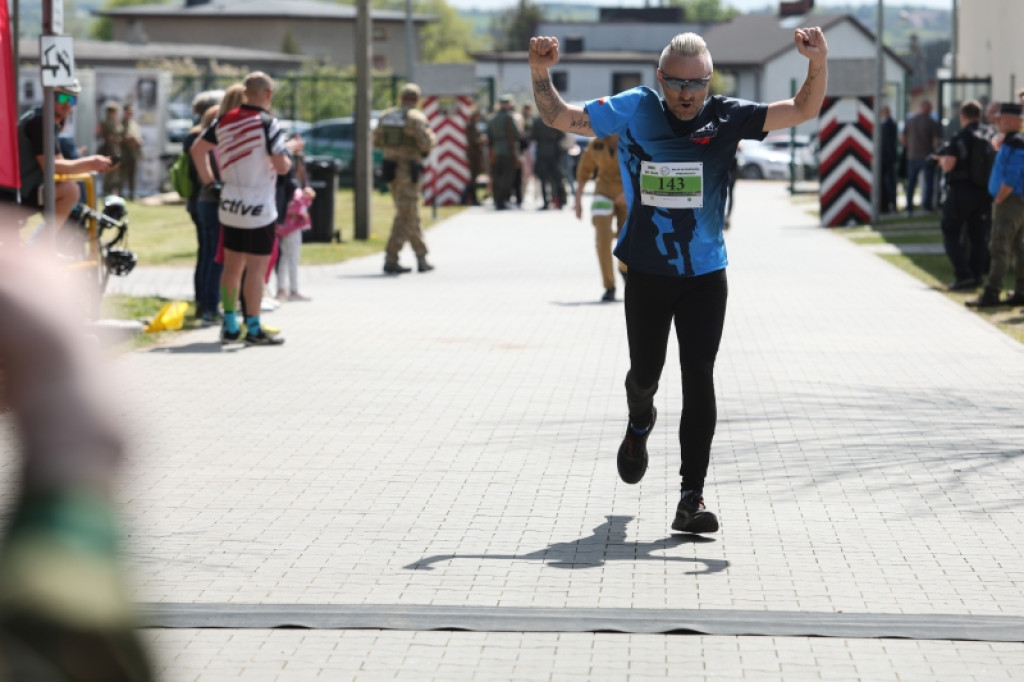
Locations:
(449, 439)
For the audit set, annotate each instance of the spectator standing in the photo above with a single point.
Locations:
(289, 235)
(600, 160)
(405, 138)
(252, 154)
(1006, 186)
(549, 164)
(110, 133)
(526, 154)
(503, 137)
(673, 240)
(890, 146)
(475, 142)
(966, 161)
(202, 207)
(921, 136)
(131, 151)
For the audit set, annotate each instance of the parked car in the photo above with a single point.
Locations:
(293, 127)
(177, 129)
(770, 158)
(335, 137)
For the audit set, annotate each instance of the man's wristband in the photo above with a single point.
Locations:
(213, 186)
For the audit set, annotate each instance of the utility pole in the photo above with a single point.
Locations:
(410, 45)
(876, 157)
(50, 18)
(364, 146)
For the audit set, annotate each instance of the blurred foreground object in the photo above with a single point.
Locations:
(64, 613)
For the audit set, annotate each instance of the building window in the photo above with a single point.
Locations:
(560, 79)
(625, 81)
(380, 33)
(573, 44)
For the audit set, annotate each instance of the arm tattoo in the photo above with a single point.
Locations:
(549, 103)
(802, 96)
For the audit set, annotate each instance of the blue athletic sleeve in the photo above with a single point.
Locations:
(610, 115)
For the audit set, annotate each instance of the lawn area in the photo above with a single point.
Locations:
(161, 233)
(917, 249)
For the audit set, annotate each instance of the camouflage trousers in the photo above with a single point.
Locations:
(406, 225)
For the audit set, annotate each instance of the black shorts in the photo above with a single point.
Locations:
(31, 197)
(257, 241)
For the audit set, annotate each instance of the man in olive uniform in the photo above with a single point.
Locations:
(503, 134)
(131, 151)
(405, 138)
(110, 134)
(601, 159)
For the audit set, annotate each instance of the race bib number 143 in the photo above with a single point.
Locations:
(672, 185)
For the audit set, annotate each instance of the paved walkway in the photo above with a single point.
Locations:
(438, 451)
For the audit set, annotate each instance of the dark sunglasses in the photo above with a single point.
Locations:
(64, 98)
(690, 84)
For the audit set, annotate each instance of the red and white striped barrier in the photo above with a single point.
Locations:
(845, 129)
(447, 170)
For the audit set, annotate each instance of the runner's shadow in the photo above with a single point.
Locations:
(576, 304)
(607, 543)
(199, 347)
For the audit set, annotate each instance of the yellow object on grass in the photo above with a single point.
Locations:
(170, 317)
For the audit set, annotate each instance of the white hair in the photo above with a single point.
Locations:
(687, 45)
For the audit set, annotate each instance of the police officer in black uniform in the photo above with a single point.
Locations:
(966, 213)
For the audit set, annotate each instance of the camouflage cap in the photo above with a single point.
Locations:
(410, 90)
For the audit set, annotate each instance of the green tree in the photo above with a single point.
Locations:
(447, 39)
(289, 44)
(513, 29)
(702, 11)
(103, 28)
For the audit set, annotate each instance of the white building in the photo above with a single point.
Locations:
(988, 44)
(756, 49)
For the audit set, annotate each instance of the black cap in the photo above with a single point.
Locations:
(1009, 109)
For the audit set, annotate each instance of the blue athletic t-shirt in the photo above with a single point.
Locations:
(677, 242)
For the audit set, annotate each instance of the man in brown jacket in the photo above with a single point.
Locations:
(609, 202)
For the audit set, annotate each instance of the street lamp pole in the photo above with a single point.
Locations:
(876, 158)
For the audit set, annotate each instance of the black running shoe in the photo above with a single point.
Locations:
(692, 516)
(263, 339)
(230, 337)
(632, 459)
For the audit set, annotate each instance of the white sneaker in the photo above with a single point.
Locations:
(268, 304)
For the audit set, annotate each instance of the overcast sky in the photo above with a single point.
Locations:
(742, 5)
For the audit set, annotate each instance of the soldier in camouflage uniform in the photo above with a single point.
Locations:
(406, 139)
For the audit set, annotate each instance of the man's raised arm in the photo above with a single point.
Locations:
(552, 108)
(810, 42)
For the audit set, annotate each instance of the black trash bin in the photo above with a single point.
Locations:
(322, 172)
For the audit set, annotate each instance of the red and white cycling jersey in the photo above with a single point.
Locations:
(246, 138)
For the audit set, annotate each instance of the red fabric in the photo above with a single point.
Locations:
(10, 176)
(274, 253)
(218, 257)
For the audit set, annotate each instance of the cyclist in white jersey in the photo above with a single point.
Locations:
(252, 152)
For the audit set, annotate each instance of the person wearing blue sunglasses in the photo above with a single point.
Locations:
(32, 157)
(675, 151)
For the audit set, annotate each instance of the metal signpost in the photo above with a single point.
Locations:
(57, 68)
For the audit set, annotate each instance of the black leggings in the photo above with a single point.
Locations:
(698, 306)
